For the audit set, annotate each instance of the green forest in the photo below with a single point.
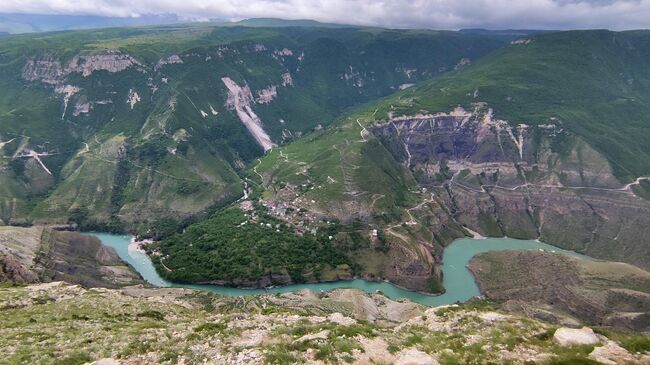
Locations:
(229, 246)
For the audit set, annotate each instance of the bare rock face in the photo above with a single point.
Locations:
(12, 270)
(173, 59)
(287, 80)
(111, 61)
(266, 95)
(38, 254)
(500, 179)
(45, 69)
(477, 141)
(133, 98)
(240, 100)
(341, 319)
(107, 361)
(571, 337)
(17, 250)
(49, 69)
(561, 289)
(81, 108)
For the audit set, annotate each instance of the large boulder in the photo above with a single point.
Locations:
(612, 354)
(572, 336)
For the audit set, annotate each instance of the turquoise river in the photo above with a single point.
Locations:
(458, 280)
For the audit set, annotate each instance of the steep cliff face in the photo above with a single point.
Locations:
(437, 146)
(522, 181)
(49, 69)
(240, 99)
(38, 254)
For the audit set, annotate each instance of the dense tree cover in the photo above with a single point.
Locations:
(231, 246)
(151, 151)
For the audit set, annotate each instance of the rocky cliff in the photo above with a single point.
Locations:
(50, 69)
(38, 254)
(522, 181)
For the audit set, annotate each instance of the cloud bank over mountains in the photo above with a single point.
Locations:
(435, 14)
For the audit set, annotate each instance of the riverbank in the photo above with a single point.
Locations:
(459, 283)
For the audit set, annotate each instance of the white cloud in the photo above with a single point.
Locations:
(438, 14)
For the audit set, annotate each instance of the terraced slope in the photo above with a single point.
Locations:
(120, 128)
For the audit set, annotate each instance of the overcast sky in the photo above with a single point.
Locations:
(436, 14)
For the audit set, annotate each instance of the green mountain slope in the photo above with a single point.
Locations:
(537, 140)
(597, 83)
(151, 129)
(126, 126)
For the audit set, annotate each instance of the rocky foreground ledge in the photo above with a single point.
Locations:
(62, 323)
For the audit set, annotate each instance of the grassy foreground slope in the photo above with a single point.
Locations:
(56, 322)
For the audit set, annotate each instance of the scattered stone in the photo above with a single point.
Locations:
(252, 338)
(106, 361)
(375, 351)
(415, 357)
(611, 354)
(338, 318)
(492, 317)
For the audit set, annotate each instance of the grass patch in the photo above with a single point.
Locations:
(280, 355)
(75, 359)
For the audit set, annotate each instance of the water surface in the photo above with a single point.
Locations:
(457, 279)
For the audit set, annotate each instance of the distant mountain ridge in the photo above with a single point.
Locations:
(11, 23)
(276, 22)
(516, 32)
(31, 23)
(15, 23)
